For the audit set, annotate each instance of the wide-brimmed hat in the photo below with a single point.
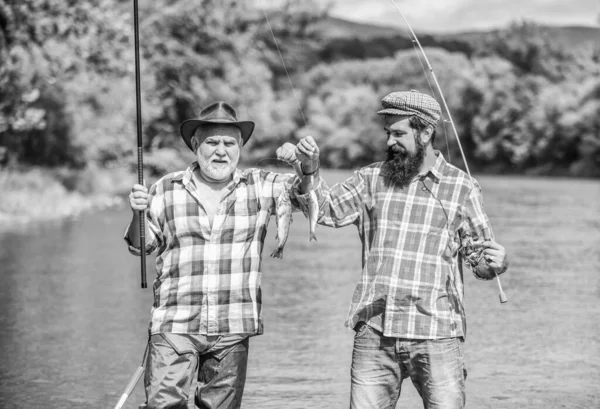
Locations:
(412, 103)
(217, 113)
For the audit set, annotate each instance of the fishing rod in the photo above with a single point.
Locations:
(133, 381)
(414, 38)
(140, 170)
(140, 149)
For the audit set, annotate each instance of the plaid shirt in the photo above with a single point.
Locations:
(410, 285)
(208, 278)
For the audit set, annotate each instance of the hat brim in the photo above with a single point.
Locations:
(394, 111)
(188, 128)
(401, 112)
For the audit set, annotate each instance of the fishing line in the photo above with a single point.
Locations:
(414, 36)
(451, 236)
(434, 93)
(286, 70)
(416, 40)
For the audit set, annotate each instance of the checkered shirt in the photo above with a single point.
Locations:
(411, 284)
(412, 103)
(208, 278)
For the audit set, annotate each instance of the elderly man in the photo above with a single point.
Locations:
(414, 213)
(207, 224)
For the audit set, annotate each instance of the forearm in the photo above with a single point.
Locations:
(133, 233)
(308, 182)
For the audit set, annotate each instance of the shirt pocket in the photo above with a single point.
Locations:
(242, 221)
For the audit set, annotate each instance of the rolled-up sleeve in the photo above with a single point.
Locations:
(340, 205)
(474, 229)
(153, 213)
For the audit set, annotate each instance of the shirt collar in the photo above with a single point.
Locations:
(437, 170)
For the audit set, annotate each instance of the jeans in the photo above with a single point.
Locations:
(175, 361)
(380, 364)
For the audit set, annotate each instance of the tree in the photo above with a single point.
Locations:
(44, 45)
(531, 49)
(221, 50)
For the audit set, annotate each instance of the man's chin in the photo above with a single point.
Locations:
(219, 172)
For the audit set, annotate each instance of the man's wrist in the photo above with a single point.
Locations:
(311, 171)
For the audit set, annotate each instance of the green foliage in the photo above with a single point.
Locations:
(531, 50)
(44, 44)
(521, 101)
(222, 50)
(345, 96)
(348, 48)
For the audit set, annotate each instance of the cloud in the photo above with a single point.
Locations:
(457, 15)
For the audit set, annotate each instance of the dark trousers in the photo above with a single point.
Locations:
(175, 360)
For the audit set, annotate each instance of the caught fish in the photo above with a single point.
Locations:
(283, 208)
(313, 202)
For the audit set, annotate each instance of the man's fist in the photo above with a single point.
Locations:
(307, 152)
(286, 153)
(138, 198)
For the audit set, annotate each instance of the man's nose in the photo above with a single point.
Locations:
(391, 141)
(221, 149)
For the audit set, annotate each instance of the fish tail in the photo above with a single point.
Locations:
(278, 253)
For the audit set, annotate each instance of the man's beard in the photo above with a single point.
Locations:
(217, 171)
(402, 166)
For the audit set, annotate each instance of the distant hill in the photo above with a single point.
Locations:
(570, 36)
(333, 27)
(337, 28)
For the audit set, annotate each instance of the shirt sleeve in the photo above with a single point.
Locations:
(340, 205)
(474, 229)
(153, 220)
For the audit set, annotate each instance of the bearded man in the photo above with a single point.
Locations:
(414, 213)
(207, 225)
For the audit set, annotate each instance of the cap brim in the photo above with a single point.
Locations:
(188, 128)
(394, 111)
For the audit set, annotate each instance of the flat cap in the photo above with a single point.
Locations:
(412, 103)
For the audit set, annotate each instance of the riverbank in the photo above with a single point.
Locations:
(41, 195)
(36, 194)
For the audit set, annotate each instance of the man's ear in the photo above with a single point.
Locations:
(425, 135)
(194, 142)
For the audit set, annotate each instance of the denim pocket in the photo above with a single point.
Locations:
(362, 328)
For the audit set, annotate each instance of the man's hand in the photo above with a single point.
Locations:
(286, 153)
(307, 152)
(138, 198)
(495, 255)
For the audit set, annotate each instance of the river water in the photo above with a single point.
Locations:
(74, 318)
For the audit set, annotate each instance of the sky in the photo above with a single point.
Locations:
(461, 15)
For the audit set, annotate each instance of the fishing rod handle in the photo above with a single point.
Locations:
(142, 222)
(132, 382)
(501, 294)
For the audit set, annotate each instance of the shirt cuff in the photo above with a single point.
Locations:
(303, 198)
(135, 250)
